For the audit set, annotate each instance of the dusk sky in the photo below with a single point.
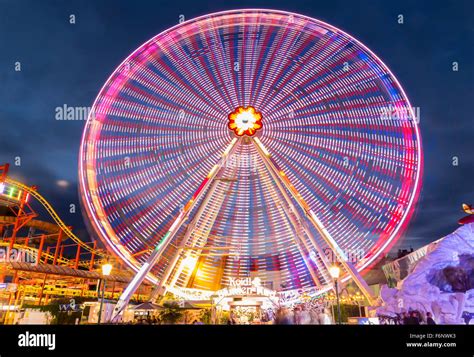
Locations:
(67, 64)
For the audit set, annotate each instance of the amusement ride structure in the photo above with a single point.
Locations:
(43, 260)
(250, 144)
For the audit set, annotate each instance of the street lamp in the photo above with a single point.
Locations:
(358, 298)
(106, 270)
(335, 271)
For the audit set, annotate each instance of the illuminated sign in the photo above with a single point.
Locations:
(245, 286)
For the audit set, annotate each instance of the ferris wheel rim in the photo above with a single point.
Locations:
(417, 185)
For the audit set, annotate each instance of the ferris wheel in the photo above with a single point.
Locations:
(250, 143)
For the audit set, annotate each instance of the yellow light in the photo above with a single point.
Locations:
(106, 269)
(215, 167)
(189, 262)
(245, 121)
(335, 271)
(226, 152)
(201, 274)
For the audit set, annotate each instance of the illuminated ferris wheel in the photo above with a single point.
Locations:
(250, 143)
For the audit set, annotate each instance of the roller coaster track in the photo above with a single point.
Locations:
(55, 216)
(34, 253)
(48, 227)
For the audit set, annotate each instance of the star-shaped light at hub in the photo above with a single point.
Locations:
(245, 121)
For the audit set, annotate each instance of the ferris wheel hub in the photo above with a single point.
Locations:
(245, 121)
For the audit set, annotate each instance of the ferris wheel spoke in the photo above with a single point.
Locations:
(300, 229)
(193, 76)
(295, 66)
(282, 52)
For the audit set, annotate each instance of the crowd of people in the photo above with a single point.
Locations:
(303, 315)
(411, 317)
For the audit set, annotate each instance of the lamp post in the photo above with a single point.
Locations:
(335, 271)
(106, 269)
(358, 299)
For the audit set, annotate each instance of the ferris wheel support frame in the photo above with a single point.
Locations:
(298, 242)
(294, 219)
(296, 222)
(360, 282)
(198, 250)
(169, 235)
(162, 284)
(199, 255)
(300, 220)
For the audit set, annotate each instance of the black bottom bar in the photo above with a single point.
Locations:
(241, 340)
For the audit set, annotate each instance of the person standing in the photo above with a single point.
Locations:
(324, 317)
(429, 319)
(305, 317)
(297, 315)
(314, 316)
(413, 319)
(283, 317)
(405, 318)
